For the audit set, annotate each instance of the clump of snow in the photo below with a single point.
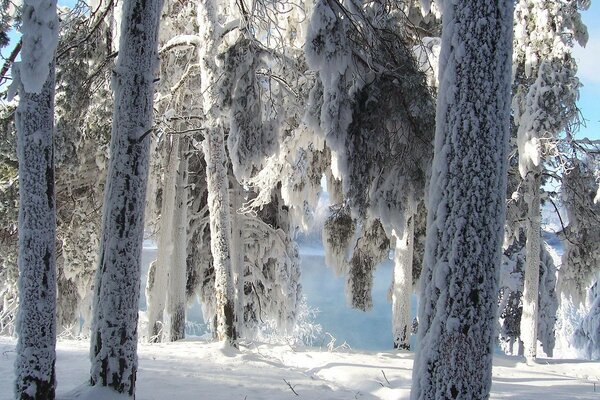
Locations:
(40, 37)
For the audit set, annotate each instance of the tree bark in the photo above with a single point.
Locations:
(216, 174)
(402, 289)
(176, 299)
(117, 288)
(466, 213)
(36, 319)
(529, 318)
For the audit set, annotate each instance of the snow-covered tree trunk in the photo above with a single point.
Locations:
(117, 288)
(36, 317)
(220, 232)
(216, 173)
(237, 251)
(176, 299)
(158, 275)
(531, 280)
(402, 285)
(36, 321)
(466, 204)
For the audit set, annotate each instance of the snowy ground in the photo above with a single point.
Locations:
(195, 370)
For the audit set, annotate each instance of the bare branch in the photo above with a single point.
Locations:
(291, 387)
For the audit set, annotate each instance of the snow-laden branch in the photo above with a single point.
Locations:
(181, 40)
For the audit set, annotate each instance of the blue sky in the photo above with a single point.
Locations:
(588, 59)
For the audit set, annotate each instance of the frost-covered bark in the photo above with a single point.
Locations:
(532, 266)
(176, 296)
(34, 118)
(114, 327)
(220, 232)
(36, 321)
(466, 204)
(402, 286)
(216, 174)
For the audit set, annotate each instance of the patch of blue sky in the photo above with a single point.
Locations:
(588, 60)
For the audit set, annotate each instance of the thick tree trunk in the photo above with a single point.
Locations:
(176, 299)
(117, 288)
(457, 312)
(156, 287)
(529, 318)
(36, 320)
(402, 289)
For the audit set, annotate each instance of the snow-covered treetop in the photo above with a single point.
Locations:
(546, 86)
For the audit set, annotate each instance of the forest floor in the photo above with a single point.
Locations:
(197, 370)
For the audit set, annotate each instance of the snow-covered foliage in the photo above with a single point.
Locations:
(9, 209)
(546, 87)
(83, 109)
(544, 94)
(116, 291)
(581, 259)
(587, 336)
(338, 235)
(373, 108)
(376, 111)
(372, 247)
(466, 204)
(272, 287)
(251, 138)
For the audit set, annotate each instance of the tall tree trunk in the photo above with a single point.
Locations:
(216, 174)
(529, 318)
(36, 317)
(220, 232)
(237, 252)
(117, 288)
(402, 289)
(158, 275)
(36, 320)
(176, 299)
(457, 313)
